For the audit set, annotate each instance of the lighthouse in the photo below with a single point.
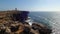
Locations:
(15, 9)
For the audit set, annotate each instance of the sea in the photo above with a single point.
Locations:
(50, 19)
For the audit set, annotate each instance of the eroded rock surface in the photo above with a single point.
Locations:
(14, 23)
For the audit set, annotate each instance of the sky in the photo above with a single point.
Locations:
(30, 5)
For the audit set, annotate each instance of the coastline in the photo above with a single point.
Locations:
(13, 22)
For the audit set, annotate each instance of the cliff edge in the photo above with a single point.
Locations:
(13, 22)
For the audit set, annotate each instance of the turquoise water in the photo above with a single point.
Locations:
(50, 19)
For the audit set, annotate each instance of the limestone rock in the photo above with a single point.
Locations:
(13, 22)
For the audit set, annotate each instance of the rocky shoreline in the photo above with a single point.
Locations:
(13, 22)
(20, 28)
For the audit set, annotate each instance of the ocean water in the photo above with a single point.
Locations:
(50, 19)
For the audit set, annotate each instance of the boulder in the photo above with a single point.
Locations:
(42, 29)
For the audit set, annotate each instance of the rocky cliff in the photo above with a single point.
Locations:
(13, 22)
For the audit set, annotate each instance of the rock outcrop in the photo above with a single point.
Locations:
(13, 22)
